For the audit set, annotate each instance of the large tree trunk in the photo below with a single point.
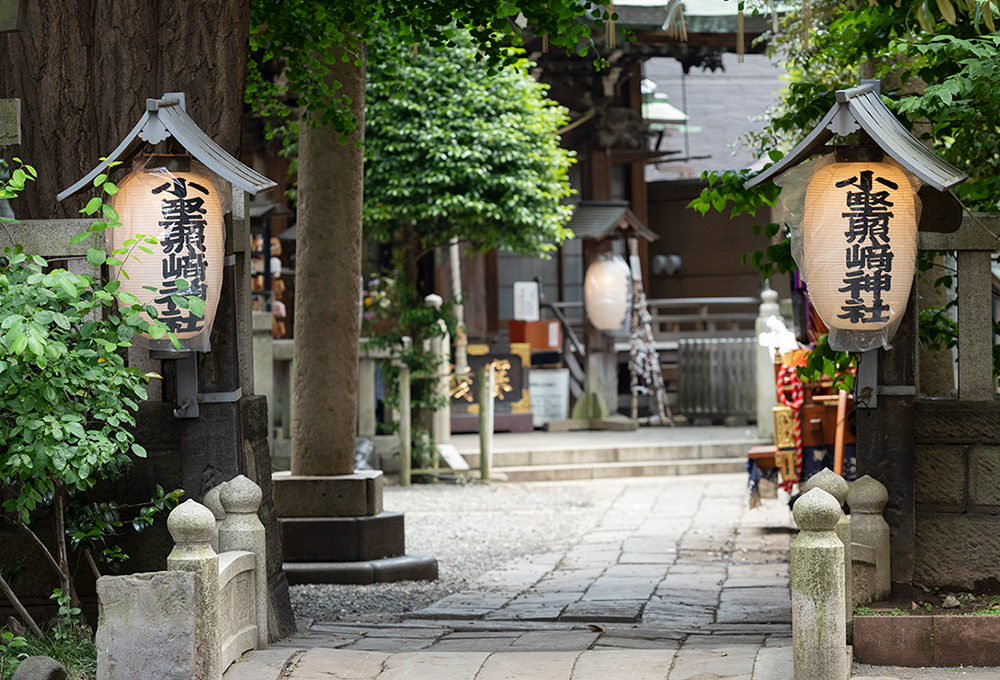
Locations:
(83, 70)
(327, 286)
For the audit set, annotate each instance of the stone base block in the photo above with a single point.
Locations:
(342, 539)
(389, 570)
(352, 495)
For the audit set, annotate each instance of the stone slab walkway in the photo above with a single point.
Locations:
(676, 579)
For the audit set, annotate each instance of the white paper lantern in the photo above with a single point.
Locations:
(607, 293)
(859, 239)
(182, 211)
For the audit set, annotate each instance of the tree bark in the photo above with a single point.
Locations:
(327, 288)
(84, 69)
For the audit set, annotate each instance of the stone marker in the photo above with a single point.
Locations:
(146, 627)
(836, 486)
(867, 498)
(40, 668)
(819, 630)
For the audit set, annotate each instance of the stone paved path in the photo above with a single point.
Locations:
(677, 579)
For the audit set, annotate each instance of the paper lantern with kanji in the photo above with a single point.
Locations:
(183, 213)
(859, 242)
(607, 293)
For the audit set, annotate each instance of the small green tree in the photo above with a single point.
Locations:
(455, 149)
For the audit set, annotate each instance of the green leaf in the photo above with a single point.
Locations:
(197, 306)
(82, 236)
(93, 205)
(100, 179)
(96, 257)
(138, 450)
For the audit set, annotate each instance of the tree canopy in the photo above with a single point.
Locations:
(454, 149)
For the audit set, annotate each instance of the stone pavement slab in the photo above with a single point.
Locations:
(523, 665)
(433, 666)
(646, 664)
(339, 664)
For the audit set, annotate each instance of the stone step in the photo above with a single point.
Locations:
(634, 453)
(639, 468)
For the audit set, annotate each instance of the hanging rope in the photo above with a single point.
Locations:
(793, 398)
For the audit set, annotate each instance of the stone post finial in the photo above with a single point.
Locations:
(819, 625)
(816, 511)
(191, 525)
(433, 300)
(868, 496)
(240, 495)
(829, 481)
(242, 530)
(769, 302)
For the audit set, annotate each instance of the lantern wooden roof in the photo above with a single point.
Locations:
(166, 117)
(607, 219)
(862, 107)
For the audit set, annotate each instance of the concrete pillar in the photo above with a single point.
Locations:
(867, 498)
(366, 395)
(819, 629)
(191, 525)
(487, 384)
(404, 425)
(263, 367)
(242, 530)
(836, 486)
(767, 397)
(975, 310)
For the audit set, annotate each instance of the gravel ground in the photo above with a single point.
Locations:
(471, 529)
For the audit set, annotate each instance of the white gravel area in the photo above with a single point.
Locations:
(471, 529)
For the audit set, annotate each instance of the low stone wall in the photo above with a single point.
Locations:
(957, 493)
(193, 620)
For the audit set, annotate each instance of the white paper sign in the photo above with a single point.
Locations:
(549, 395)
(526, 300)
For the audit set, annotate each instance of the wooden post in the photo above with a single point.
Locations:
(486, 387)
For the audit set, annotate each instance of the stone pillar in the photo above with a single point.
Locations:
(263, 367)
(836, 486)
(767, 393)
(441, 350)
(242, 530)
(191, 525)
(366, 395)
(867, 498)
(819, 630)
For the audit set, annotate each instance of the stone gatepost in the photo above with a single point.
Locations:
(767, 397)
(819, 628)
(836, 486)
(212, 502)
(242, 530)
(191, 525)
(867, 498)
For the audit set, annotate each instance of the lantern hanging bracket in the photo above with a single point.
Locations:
(186, 380)
(164, 118)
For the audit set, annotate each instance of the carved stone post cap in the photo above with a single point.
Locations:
(816, 510)
(240, 495)
(829, 481)
(433, 300)
(212, 502)
(191, 522)
(867, 495)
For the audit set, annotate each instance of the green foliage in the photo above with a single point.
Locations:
(67, 398)
(76, 652)
(825, 362)
(300, 39)
(456, 150)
